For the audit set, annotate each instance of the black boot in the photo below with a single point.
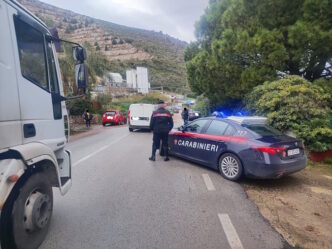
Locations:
(165, 149)
(153, 156)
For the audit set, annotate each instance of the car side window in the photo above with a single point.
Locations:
(31, 51)
(217, 128)
(196, 126)
(230, 131)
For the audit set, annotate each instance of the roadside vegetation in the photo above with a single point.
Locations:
(274, 58)
(271, 58)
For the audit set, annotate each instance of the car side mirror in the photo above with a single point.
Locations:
(81, 76)
(182, 128)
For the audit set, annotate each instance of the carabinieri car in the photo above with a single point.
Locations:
(238, 146)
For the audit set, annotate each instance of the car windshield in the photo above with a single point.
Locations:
(110, 113)
(263, 130)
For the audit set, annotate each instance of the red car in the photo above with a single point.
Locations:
(114, 117)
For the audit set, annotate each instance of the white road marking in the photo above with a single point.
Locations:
(208, 182)
(231, 234)
(97, 151)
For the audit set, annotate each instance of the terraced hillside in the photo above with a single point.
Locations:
(124, 47)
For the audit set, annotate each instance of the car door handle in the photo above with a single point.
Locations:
(29, 130)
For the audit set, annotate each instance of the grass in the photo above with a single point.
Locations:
(323, 167)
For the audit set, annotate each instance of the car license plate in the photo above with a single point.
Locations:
(293, 152)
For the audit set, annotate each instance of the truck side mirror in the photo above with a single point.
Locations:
(79, 54)
(81, 76)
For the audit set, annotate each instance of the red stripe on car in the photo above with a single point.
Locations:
(211, 137)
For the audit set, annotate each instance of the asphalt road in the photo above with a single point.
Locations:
(120, 199)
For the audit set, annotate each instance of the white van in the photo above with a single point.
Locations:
(139, 116)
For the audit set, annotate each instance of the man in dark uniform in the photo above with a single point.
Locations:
(161, 123)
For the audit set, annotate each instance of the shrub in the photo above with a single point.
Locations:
(294, 104)
(78, 106)
(202, 105)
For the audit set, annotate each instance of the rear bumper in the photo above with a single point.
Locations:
(263, 170)
(110, 121)
(139, 127)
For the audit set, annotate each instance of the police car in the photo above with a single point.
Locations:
(238, 146)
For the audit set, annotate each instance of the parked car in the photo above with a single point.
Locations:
(238, 146)
(194, 115)
(114, 117)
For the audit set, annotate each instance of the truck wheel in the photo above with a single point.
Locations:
(28, 214)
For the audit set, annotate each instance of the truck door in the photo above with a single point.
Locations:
(10, 117)
(41, 115)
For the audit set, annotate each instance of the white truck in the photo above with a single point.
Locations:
(33, 126)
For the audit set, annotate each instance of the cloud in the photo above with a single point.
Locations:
(174, 17)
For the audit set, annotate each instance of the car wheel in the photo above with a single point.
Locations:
(130, 129)
(230, 167)
(104, 124)
(26, 217)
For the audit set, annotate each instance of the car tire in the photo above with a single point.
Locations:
(131, 129)
(104, 124)
(230, 167)
(30, 199)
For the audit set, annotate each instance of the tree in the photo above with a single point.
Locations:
(295, 104)
(241, 44)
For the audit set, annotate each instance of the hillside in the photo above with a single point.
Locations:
(124, 47)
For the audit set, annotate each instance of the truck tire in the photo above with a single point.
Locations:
(27, 214)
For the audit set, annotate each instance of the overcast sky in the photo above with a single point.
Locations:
(174, 17)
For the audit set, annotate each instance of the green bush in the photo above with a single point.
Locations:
(294, 104)
(78, 106)
(203, 105)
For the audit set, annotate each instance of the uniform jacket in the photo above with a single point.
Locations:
(161, 121)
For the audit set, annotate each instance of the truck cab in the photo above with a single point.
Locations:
(34, 126)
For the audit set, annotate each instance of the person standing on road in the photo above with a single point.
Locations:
(161, 123)
(185, 115)
(87, 116)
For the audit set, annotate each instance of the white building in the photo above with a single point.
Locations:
(143, 84)
(114, 79)
(138, 79)
(131, 78)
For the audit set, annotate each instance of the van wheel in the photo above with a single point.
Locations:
(230, 167)
(130, 129)
(26, 217)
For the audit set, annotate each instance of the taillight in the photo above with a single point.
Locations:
(270, 150)
(128, 114)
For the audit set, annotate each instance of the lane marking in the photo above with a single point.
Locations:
(208, 182)
(230, 232)
(97, 151)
